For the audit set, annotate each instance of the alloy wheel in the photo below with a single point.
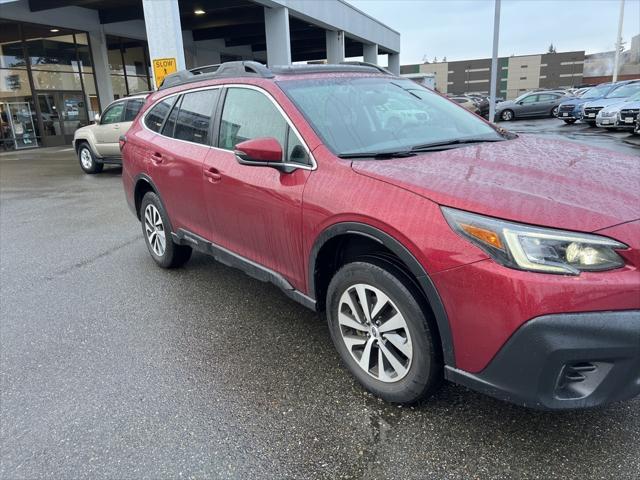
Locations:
(507, 115)
(155, 229)
(375, 332)
(85, 158)
(554, 112)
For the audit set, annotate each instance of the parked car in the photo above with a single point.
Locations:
(467, 103)
(445, 248)
(570, 110)
(622, 91)
(629, 113)
(610, 117)
(482, 103)
(636, 130)
(97, 144)
(530, 104)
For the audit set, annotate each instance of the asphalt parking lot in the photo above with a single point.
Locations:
(113, 368)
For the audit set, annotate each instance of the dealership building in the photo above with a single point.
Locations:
(63, 61)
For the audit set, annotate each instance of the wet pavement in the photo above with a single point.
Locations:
(113, 368)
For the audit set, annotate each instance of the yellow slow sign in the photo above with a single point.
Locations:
(163, 67)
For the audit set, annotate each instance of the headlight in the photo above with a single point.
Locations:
(524, 247)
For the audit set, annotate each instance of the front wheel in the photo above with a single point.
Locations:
(570, 121)
(157, 234)
(381, 332)
(87, 160)
(506, 115)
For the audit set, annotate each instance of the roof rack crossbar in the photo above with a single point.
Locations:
(228, 69)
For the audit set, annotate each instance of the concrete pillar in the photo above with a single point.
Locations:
(370, 52)
(335, 46)
(190, 53)
(276, 25)
(98, 42)
(164, 32)
(394, 63)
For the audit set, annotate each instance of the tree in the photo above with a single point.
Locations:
(444, 59)
(552, 49)
(435, 59)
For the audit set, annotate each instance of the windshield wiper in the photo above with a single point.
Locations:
(378, 155)
(452, 143)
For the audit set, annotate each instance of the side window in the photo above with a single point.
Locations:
(155, 117)
(170, 124)
(195, 116)
(296, 152)
(530, 99)
(249, 114)
(113, 114)
(132, 109)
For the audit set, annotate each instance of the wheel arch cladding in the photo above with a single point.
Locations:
(324, 249)
(143, 185)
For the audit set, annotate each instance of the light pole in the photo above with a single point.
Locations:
(494, 62)
(618, 42)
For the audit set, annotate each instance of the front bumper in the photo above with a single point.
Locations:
(564, 361)
(607, 122)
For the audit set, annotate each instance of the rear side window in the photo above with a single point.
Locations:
(170, 124)
(249, 114)
(155, 118)
(194, 117)
(132, 109)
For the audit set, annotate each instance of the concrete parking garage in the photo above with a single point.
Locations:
(113, 368)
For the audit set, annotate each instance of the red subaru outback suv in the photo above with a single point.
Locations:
(438, 244)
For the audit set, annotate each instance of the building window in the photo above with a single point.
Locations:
(47, 85)
(128, 66)
(523, 78)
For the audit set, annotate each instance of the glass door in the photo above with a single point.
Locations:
(62, 114)
(19, 119)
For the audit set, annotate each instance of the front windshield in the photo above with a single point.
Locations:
(625, 91)
(375, 114)
(597, 92)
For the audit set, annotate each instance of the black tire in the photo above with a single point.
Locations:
(172, 255)
(554, 112)
(424, 373)
(507, 115)
(570, 121)
(87, 160)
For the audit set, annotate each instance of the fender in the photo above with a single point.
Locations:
(90, 141)
(425, 282)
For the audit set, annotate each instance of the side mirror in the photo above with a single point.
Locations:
(260, 152)
(97, 118)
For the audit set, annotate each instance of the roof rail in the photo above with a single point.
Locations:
(368, 64)
(228, 69)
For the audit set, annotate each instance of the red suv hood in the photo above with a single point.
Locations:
(530, 179)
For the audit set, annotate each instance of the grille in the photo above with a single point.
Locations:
(592, 110)
(566, 108)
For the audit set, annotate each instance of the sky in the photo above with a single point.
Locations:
(463, 29)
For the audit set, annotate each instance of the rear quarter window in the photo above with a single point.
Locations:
(155, 118)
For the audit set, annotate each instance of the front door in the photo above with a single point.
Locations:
(62, 114)
(256, 212)
(109, 129)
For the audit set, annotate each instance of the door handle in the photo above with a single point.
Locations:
(213, 174)
(156, 158)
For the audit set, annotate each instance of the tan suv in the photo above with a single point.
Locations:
(97, 144)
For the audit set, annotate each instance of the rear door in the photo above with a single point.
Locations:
(546, 103)
(177, 158)
(108, 131)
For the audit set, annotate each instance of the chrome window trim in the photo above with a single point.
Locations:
(314, 164)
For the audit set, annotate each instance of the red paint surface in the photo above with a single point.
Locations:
(274, 218)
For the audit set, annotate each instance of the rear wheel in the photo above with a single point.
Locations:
(507, 115)
(87, 160)
(157, 234)
(554, 111)
(381, 332)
